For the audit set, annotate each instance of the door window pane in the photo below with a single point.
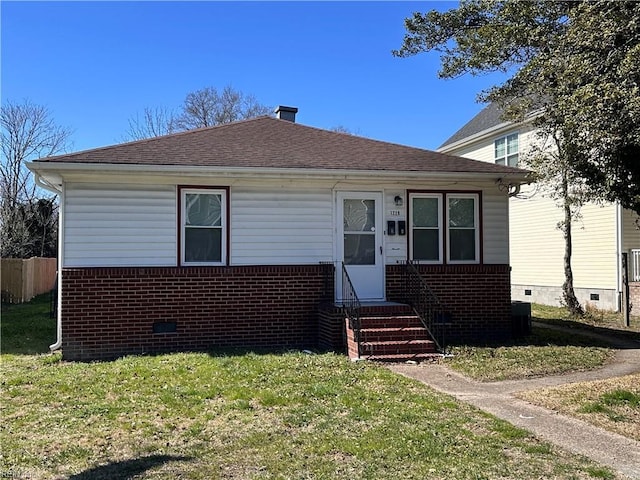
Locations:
(359, 215)
(359, 249)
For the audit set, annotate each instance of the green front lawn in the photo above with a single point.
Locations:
(544, 352)
(247, 415)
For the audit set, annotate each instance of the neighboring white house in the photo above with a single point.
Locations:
(600, 235)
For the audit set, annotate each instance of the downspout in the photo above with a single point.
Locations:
(619, 285)
(48, 186)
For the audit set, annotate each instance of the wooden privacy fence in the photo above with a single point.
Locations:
(24, 279)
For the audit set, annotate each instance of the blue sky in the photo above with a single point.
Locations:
(97, 64)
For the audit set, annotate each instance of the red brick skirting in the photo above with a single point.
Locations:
(634, 297)
(478, 297)
(109, 312)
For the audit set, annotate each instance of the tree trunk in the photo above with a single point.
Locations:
(568, 294)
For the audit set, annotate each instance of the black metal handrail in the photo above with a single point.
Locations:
(425, 304)
(349, 301)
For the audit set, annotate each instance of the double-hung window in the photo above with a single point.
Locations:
(506, 150)
(463, 238)
(444, 227)
(426, 228)
(203, 226)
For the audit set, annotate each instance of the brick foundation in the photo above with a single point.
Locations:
(634, 297)
(109, 312)
(477, 296)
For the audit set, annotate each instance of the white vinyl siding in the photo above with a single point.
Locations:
(630, 230)
(484, 150)
(119, 225)
(137, 225)
(395, 246)
(537, 245)
(279, 227)
(495, 227)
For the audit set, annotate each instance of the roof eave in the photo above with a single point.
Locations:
(56, 172)
(489, 132)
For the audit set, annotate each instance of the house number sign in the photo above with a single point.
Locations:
(394, 213)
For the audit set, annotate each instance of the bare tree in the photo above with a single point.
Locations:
(27, 131)
(154, 122)
(208, 107)
(203, 108)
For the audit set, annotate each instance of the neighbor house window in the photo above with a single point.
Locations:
(506, 150)
(203, 225)
(463, 239)
(426, 227)
(444, 222)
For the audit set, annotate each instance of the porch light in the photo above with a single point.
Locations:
(398, 201)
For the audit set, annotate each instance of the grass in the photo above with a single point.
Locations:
(544, 352)
(613, 404)
(245, 416)
(595, 319)
(27, 328)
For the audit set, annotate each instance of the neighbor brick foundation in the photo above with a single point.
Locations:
(109, 312)
(634, 297)
(478, 297)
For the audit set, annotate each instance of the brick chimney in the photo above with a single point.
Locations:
(286, 113)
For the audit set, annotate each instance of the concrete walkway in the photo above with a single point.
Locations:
(620, 453)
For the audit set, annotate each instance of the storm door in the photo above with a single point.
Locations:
(360, 243)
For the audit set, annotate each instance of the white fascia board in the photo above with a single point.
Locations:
(56, 172)
(489, 132)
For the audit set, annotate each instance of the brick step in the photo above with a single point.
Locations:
(391, 309)
(403, 357)
(397, 347)
(393, 334)
(390, 321)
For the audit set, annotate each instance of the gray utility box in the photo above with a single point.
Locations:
(520, 319)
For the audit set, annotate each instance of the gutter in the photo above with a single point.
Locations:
(42, 183)
(41, 168)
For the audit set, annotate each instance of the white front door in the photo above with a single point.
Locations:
(360, 243)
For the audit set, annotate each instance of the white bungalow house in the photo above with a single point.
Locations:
(267, 233)
(600, 235)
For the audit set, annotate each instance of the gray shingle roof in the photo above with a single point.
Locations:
(488, 117)
(267, 142)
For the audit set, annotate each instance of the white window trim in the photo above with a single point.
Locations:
(223, 221)
(439, 197)
(476, 221)
(506, 155)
